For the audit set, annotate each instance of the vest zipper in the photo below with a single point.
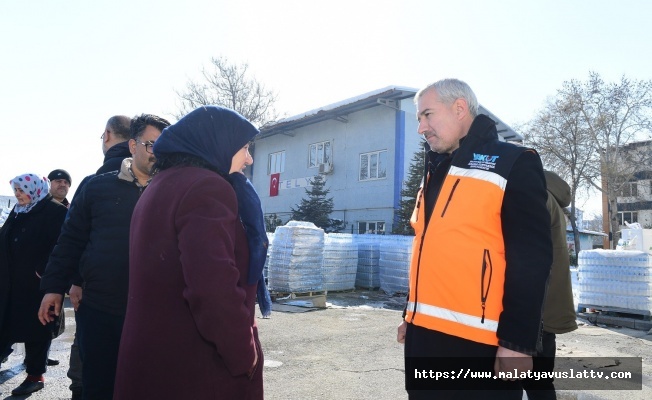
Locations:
(486, 262)
(416, 282)
(450, 197)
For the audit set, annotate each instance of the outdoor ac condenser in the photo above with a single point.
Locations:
(325, 168)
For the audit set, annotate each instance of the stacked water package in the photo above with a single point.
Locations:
(395, 255)
(616, 279)
(296, 259)
(368, 272)
(340, 262)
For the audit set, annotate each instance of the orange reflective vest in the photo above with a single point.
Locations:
(457, 271)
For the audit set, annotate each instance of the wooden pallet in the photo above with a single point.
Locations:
(626, 311)
(316, 298)
(294, 295)
(342, 291)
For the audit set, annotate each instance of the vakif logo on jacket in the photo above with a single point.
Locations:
(483, 161)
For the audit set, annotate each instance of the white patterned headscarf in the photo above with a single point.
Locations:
(35, 187)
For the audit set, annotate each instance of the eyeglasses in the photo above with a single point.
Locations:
(148, 146)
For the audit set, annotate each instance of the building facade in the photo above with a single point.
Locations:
(634, 201)
(362, 146)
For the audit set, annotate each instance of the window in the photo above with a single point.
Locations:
(373, 165)
(630, 189)
(276, 162)
(629, 216)
(320, 153)
(372, 227)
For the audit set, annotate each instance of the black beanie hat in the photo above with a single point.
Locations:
(60, 174)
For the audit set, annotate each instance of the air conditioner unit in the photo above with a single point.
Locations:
(325, 168)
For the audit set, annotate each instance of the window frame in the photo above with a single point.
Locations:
(270, 171)
(629, 189)
(633, 215)
(367, 226)
(326, 154)
(369, 154)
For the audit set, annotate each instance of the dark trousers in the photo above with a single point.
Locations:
(99, 334)
(75, 367)
(437, 347)
(36, 355)
(543, 389)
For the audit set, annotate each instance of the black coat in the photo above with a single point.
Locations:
(95, 243)
(112, 162)
(26, 241)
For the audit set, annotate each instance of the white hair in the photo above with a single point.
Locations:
(450, 90)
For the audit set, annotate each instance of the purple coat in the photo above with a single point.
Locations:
(190, 330)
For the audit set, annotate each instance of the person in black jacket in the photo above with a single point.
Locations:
(481, 255)
(115, 144)
(95, 240)
(115, 148)
(26, 240)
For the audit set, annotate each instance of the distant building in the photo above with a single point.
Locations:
(362, 145)
(634, 202)
(589, 238)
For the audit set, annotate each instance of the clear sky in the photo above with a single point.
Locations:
(66, 66)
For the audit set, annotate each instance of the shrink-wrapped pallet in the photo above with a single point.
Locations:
(340, 262)
(620, 279)
(368, 271)
(394, 263)
(296, 259)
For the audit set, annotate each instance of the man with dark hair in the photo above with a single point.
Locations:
(95, 242)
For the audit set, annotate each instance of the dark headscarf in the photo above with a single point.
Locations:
(215, 134)
(212, 133)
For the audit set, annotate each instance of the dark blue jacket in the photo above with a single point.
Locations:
(95, 241)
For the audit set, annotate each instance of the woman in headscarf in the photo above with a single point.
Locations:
(192, 285)
(26, 241)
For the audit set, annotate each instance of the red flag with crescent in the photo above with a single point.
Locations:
(273, 184)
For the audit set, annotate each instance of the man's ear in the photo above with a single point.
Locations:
(461, 108)
(132, 146)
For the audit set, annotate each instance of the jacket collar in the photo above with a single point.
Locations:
(118, 150)
(482, 129)
(126, 174)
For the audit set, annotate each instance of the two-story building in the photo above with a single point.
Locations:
(363, 146)
(634, 201)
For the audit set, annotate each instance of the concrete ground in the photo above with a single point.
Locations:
(349, 351)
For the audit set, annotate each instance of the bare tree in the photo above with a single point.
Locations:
(230, 85)
(558, 134)
(585, 133)
(616, 115)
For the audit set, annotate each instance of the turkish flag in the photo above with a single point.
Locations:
(273, 184)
